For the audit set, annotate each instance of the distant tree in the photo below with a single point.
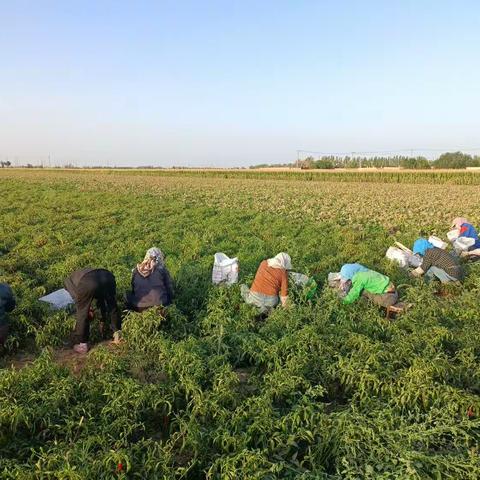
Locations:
(307, 163)
(414, 162)
(454, 160)
(324, 163)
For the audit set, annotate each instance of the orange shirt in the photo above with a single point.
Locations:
(270, 281)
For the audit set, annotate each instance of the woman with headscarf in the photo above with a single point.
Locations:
(367, 283)
(467, 231)
(151, 282)
(270, 286)
(436, 263)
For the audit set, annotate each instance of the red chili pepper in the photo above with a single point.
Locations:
(470, 413)
(119, 467)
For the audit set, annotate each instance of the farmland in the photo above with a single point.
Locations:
(317, 390)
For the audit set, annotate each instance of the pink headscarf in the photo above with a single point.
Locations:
(458, 222)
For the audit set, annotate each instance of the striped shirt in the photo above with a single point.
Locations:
(436, 257)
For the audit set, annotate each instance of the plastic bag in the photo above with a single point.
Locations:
(403, 258)
(225, 269)
(437, 242)
(308, 284)
(462, 244)
(398, 256)
(452, 235)
(58, 300)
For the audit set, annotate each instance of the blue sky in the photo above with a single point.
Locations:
(232, 83)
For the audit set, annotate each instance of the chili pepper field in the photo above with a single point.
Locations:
(317, 390)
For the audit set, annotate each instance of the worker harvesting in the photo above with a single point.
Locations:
(466, 233)
(374, 286)
(85, 286)
(152, 284)
(436, 263)
(270, 286)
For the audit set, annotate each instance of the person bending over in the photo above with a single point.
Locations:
(467, 230)
(372, 285)
(270, 286)
(84, 286)
(151, 283)
(7, 304)
(436, 263)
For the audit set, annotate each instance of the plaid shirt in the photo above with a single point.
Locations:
(436, 257)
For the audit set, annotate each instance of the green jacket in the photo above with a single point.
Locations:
(371, 281)
(7, 302)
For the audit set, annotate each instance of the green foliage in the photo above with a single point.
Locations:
(207, 388)
(456, 160)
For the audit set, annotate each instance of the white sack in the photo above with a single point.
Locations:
(462, 244)
(397, 256)
(225, 269)
(437, 242)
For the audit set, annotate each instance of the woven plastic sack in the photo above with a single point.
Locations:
(398, 256)
(225, 269)
(462, 244)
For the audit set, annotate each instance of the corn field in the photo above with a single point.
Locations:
(318, 390)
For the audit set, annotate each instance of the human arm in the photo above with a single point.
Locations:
(427, 262)
(355, 291)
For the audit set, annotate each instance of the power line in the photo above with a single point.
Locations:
(383, 152)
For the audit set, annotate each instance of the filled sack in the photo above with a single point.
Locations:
(398, 256)
(462, 244)
(437, 242)
(225, 269)
(403, 258)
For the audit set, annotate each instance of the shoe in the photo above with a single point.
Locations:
(117, 337)
(81, 348)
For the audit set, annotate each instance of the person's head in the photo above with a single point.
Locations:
(421, 245)
(458, 222)
(153, 258)
(349, 270)
(281, 260)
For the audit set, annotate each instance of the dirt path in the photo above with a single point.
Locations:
(65, 357)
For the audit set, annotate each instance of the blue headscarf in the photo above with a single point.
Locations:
(350, 269)
(421, 246)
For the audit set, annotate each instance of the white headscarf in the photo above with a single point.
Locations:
(153, 258)
(282, 260)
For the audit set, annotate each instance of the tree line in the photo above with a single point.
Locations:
(445, 160)
(327, 162)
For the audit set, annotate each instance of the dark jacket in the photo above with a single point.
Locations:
(156, 289)
(7, 302)
(91, 284)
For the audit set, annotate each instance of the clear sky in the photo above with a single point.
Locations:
(225, 83)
